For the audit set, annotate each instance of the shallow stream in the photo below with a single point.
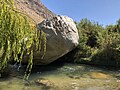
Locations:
(62, 77)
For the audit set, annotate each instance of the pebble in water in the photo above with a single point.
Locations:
(75, 86)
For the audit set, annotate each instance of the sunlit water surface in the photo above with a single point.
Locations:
(62, 77)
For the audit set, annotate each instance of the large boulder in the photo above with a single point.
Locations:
(62, 37)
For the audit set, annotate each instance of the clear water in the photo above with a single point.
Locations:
(62, 77)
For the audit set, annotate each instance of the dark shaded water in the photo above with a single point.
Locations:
(62, 77)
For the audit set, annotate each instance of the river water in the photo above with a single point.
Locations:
(65, 76)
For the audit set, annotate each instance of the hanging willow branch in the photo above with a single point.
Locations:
(18, 36)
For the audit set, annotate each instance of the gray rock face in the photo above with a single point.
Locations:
(62, 37)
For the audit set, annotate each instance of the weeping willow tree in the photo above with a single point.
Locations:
(18, 36)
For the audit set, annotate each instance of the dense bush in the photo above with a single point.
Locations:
(97, 44)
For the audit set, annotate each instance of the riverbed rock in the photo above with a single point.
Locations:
(45, 83)
(98, 75)
(62, 37)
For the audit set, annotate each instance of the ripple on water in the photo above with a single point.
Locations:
(66, 77)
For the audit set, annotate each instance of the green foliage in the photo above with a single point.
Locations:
(109, 54)
(97, 45)
(90, 39)
(18, 36)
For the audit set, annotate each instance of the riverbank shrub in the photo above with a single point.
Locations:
(98, 45)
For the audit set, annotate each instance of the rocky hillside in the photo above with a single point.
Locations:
(34, 9)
